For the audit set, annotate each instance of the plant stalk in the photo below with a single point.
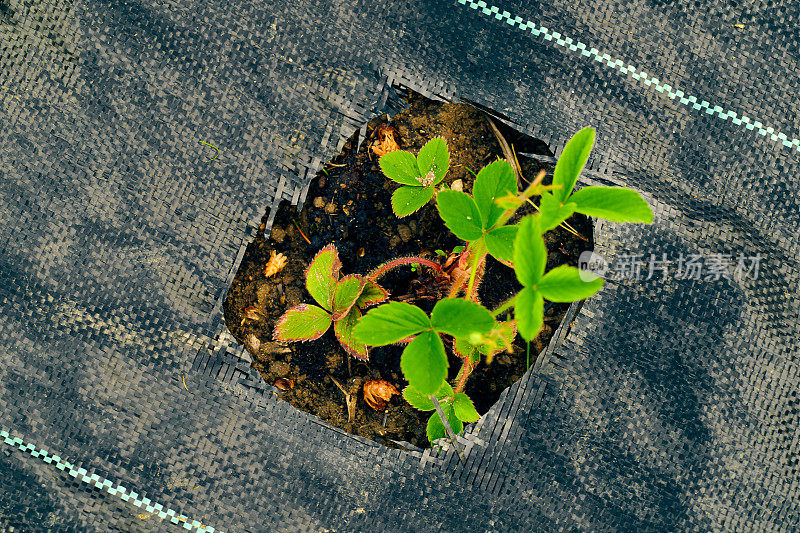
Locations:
(476, 259)
(466, 370)
(379, 272)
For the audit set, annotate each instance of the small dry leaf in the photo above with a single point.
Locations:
(378, 392)
(284, 384)
(386, 141)
(275, 264)
(252, 313)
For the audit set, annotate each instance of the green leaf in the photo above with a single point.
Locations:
(530, 253)
(390, 323)
(424, 363)
(371, 295)
(460, 214)
(322, 274)
(423, 401)
(302, 323)
(464, 409)
(461, 318)
(529, 313)
(500, 242)
(566, 284)
(612, 203)
(408, 199)
(571, 163)
(347, 291)
(434, 156)
(435, 427)
(495, 180)
(463, 348)
(343, 328)
(400, 166)
(552, 212)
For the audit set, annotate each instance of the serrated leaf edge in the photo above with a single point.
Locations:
(336, 267)
(348, 348)
(339, 314)
(284, 317)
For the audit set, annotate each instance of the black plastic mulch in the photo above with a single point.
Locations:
(663, 404)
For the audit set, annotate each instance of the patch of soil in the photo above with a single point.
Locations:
(349, 204)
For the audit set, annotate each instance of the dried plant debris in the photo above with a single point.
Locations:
(275, 264)
(386, 140)
(378, 392)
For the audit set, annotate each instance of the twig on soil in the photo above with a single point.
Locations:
(296, 225)
(349, 400)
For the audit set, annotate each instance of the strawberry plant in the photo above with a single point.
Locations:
(482, 220)
(418, 175)
(459, 321)
(341, 301)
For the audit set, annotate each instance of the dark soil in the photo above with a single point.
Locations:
(349, 205)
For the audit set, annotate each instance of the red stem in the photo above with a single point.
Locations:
(466, 370)
(376, 274)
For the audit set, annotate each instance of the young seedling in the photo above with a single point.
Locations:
(341, 301)
(418, 175)
(481, 220)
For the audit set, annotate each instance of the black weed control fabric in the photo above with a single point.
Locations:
(141, 142)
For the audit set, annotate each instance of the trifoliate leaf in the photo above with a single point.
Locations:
(612, 203)
(302, 323)
(566, 284)
(424, 363)
(461, 318)
(571, 163)
(390, 323)
(460, 214)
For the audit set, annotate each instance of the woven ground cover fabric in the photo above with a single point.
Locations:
(141, 142)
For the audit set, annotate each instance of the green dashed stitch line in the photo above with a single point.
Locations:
(106, 485)
(647, 80)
